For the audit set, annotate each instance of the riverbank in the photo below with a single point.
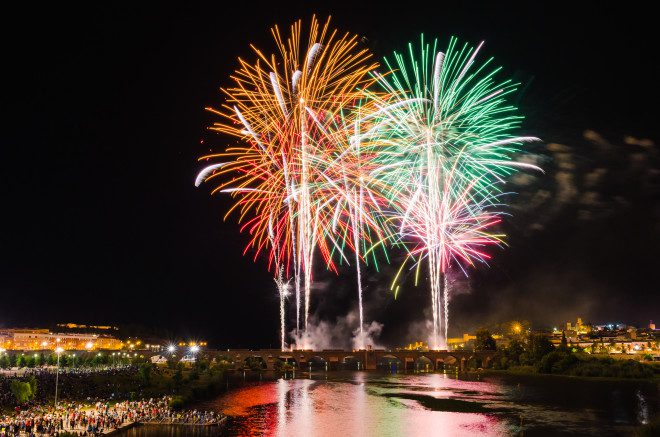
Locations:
(531, 371)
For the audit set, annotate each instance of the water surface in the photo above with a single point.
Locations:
(375, 404)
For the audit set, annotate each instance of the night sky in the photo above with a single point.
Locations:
(103, 119)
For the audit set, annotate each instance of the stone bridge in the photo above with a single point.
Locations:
(333, 359)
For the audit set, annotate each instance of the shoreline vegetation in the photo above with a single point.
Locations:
(534, 354)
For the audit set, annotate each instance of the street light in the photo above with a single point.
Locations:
(58, 351)
(171, 348)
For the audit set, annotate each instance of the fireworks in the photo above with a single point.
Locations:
(444, 140)
(333, 154)
(278, 108)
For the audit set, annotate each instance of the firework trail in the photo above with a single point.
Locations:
(353, 194)
(444, 135)
(325, 162)
(277, 108)
(281, 283)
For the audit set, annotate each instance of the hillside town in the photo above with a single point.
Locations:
(615, 339)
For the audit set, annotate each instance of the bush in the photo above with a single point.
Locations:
(32, 381)
(145, 373)
(549, 360)
(282, 366)
(484, 341)
(178, 377)
(564, 363)
(21, 391)
(177, 402)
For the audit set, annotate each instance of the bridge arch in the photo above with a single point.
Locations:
(451, 363)
(255, 362)
(423, 364)
(474, 362)
(317, 362)
(285, 362)
(351, 362)
(390, 363)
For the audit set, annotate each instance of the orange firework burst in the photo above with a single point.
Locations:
(279, 107)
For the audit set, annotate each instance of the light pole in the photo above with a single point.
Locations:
(58, 351)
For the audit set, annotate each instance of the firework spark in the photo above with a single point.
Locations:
(277, 108)
(326, 161)
(445, 143)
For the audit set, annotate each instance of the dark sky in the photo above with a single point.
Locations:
(102, 118)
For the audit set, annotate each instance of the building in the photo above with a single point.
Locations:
(579, 328)
(453, 343)
(43, 339)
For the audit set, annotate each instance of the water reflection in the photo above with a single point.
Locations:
(371, 404)
(643, 408)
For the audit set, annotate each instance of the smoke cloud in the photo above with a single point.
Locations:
(341, 333)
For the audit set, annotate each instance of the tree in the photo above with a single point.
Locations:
(20, 360)
(32, 381)
(145, 373)
(539, 346)
(484, 341)
(5, 362)
(515, 350)
(564, 344)
(178, 376)
(21, 391)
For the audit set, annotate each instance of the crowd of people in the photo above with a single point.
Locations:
(89, 384)
(99, 418)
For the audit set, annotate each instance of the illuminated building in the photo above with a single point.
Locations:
(77, 326)
(452, 343)
(43, 339)
(579, 327)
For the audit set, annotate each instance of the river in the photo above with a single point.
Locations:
(376, 404)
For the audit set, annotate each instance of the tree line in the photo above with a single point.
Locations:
(534, 353)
